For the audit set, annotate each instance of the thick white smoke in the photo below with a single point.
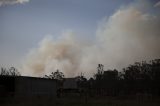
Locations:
(130, 34)
(65, 54)
(9, 2)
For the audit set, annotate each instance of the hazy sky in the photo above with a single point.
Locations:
(24, 24)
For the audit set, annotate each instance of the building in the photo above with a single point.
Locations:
(29, 88)
(20, 86)
(69, 88)
(70, 83)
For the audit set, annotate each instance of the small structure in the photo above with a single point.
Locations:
(26, 87)
(70, 83)
(69, 88)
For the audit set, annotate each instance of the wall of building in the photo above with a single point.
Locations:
(70, 83)
(29, 86)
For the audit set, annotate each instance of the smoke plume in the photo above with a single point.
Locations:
(131, 34)
(157, 4)
(10, 2)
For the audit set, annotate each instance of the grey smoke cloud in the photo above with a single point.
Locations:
(130, 34)
(63, 53)
(157, 4)
(10, 2)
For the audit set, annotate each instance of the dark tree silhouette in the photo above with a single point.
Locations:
(81, 81)
(56, 75)
(99, 74)
(12, 71)
(139, 78)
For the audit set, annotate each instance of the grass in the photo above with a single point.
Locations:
(70, 101)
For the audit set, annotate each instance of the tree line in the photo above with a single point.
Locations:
(140, 77)
(12, 71)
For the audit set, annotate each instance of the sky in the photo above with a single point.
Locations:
(26, 24)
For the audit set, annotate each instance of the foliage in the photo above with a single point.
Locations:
(55, 75)
(81, 81)
(12, 71)
(99, 74)
(141, 77)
